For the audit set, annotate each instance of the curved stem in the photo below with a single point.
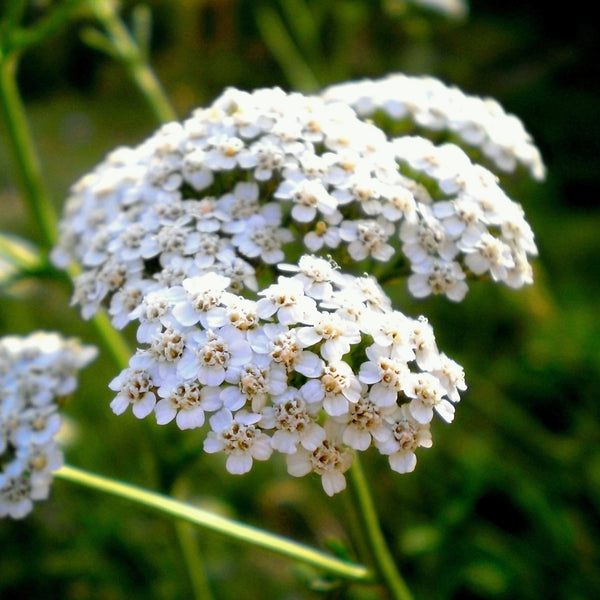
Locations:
(32, 187)
(384, 562)
(190, 549)
(127, 50)
(22, 147)
(217, 523)
(47, 25)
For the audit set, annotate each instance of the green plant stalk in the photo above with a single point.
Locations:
(46, 26)
(190, 547)
(193, 560)
(283, 48)
(219, 524)
(133, 59)
(22, 147)
(371, 528)
(33, 190)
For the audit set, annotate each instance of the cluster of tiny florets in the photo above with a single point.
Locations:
(316, 367)
(256, 176)
(35, 372)
(430, 104)
(237, 239)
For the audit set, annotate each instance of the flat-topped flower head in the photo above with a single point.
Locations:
(220, 238)
(315, 372)
(309, 173)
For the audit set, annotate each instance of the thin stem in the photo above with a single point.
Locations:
(32, 187)
(277, 38)
(217, 523)
(193, 560)
(384, 562)
(127, 50)
(46, 26)
(22, 147)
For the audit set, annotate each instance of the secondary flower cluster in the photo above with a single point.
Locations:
(430, 104)
(317, 366)
(35, 372)
(235, 184)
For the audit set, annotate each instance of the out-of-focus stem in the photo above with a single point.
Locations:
(23, 150)
(380, 553)
(217, 523)
(133, 59)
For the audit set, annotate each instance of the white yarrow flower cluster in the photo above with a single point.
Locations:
(315, 367)
(35, 371)
(221, 238)
(247, 180)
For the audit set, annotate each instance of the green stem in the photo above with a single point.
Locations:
(217, 523)
(46, 26)
(31, 184)
(278, 40)
(193, 560)
(384, 562)
(134, 60)
(22, 147)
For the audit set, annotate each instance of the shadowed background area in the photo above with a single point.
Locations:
(506, 504)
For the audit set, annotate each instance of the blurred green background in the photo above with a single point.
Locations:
(506, 504)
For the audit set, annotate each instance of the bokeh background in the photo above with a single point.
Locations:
(507, 502)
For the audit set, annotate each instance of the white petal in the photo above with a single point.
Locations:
(403, 462)
(238, 463)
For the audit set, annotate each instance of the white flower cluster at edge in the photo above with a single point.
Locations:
(35, 371)
(318, 366)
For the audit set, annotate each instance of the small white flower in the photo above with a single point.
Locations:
(316, 274)
(239, 438)
(365, 422)
(135, 387)
(451, 376)
(36, 425)
(255, 383)
(152, 314)
(209, 355)
(202, 301)
(224, 155)
(187, 404)
(309, 197)
(426, 394)
(17, 494)
(287, 350)
(287, 299)
(423, 342)
(261, 239)
(438, 276)
(329, 460)
(336, 334)
(324, 234)
(294, 421)
(490, 254)
(384, 374)
(368, 237)
(335, 388)
(406, 435)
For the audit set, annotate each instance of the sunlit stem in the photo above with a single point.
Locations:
(219, 524)
(371, 528)
(23, 150)
(133, 58)
(33, 190)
